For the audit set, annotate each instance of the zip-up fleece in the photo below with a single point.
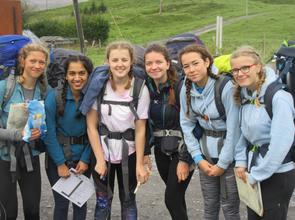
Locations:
(258, 129)
(204, 103)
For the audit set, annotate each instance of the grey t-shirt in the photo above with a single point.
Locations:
(28, 93)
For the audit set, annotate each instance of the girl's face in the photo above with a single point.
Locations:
(195, 68)
(120, 63)
(34, 64)
(76, 76)
(245, 71)
(156, 66)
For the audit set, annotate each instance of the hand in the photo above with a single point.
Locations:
(63, 171)
(81, 167)
(142, 174)
(182, 171)
(241, 173)
(101, 168)
(35, 134)
(216, 171)
(147, 162)
(205, 166)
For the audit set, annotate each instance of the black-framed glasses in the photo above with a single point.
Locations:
(244, 69)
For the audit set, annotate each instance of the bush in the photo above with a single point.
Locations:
(95, 28)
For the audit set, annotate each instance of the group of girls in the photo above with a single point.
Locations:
(114, 139)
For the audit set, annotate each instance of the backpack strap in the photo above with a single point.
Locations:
(10, 85)
(219, 86)
(136, 90)
(269, 94)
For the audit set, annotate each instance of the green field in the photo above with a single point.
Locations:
(269, 22)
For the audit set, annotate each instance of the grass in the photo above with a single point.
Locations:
(139, 21)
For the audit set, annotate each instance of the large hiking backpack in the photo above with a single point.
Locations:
(55, 70)
(9, 49)
(178, 42)
(285, 64)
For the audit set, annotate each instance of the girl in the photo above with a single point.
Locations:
(172, 159)
(66, 140)
(112, 120)
(214, 155)
(15, 155)
(272, 135)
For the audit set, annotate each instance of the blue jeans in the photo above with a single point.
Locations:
(105, 188)
(62, 204)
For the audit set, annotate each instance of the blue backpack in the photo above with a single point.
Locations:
(9, 49)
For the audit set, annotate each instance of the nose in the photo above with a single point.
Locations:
(191, 68)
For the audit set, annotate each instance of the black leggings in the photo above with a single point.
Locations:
(30, 187)
(175, 191)
(276, 194)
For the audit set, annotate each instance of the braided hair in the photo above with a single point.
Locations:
(171, 72)
(205, 54)
(86, 62)
(248, 51)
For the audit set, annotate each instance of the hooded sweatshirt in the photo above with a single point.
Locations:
(203, 102)
(258, 129)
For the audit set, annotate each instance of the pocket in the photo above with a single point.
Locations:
(169, 144)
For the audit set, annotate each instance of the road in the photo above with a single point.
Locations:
(49, 4)
(150, 201)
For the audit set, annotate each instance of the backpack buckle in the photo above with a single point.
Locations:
(167, 132)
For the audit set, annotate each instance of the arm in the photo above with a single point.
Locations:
(226, 155)
(281, 137)
(94, 139)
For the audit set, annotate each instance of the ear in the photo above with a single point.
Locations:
(207, 62)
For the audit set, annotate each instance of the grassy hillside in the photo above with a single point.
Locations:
(139, 21)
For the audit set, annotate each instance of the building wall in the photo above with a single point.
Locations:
(11, 17)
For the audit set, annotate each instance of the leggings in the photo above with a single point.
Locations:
(175, 191)
(105, 188)
(30, 187)
(276, 194)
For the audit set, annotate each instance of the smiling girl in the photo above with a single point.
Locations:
(214, 154)
(117, 137)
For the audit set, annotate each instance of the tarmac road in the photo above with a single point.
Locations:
(150, 201)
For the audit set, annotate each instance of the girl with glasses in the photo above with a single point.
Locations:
(265, 141)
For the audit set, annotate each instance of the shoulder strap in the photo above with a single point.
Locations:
(269, 94)
(58, 98)
(137, 90)
(10, 85)
(219, 86)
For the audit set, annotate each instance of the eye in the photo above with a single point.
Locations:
(245, 68)
(148, 63)
(82, 73)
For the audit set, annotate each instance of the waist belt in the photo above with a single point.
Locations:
(129, 135)
(67, 141)
(214, 133)
(262, 150)
(165, 133)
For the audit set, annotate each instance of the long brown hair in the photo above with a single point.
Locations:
(23, 54)
(120, 45)
(248, 51)
(171, 72)
(205, 54)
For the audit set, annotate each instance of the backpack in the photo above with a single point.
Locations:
(178, 42)
(10, 46)
(55, 71)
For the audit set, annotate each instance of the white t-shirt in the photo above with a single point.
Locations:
(121, 119)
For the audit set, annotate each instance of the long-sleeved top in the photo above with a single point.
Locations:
(163, 115)
(257, 128)
(72, 123)
(12, 134)
(203, 103)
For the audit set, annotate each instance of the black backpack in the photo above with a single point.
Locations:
(178, 42)
(55, 71)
